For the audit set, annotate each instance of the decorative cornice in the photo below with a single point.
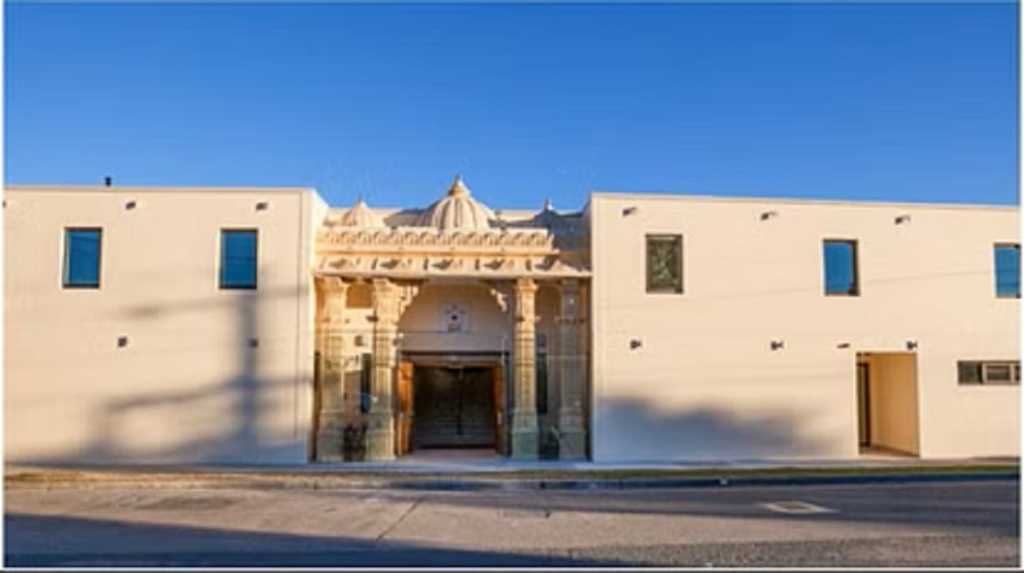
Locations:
(427, 239)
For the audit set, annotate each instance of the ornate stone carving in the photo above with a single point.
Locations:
(572, 432)
(525, 434)
(330, 343)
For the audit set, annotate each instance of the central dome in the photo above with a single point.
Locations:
(457, 210)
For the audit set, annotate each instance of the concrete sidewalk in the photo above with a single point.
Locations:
(425, 472)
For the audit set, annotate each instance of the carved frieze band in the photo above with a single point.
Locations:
(429, 239)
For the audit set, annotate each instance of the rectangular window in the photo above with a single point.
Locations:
(238, 259)
(841, 268)
(1007, 271)
(365, 392)
(994, 373)
(541, 366)
(665, 264)
(82, 254)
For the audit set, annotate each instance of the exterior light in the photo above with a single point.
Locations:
(778, 344)
(902, 219)
(629, 211)
(769, 215)
(254, 343)
(130, 205)
(262, 206)
(911, 345)
(122, 341)
(843, 345)
(635, 343)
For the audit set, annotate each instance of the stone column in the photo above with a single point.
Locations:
(380, 435)
(330, 434)
(525, 434)
(572, 440)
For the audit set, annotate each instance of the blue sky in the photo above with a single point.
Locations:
(866, 101)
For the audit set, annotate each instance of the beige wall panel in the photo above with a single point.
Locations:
(705, 384)
(188, 387)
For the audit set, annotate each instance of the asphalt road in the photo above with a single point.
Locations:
(924, 524)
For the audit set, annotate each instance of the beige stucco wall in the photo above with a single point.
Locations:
(187, 387)
(705, 383)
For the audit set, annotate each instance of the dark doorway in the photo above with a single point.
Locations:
(454, 407)
(864, 404)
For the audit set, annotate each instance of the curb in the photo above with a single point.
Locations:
(679, 483)
(470, 485)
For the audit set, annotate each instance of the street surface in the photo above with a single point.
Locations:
(936, 524)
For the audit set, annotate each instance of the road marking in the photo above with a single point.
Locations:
(795, 507)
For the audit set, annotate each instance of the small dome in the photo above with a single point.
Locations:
(360, 215)
(457, 210)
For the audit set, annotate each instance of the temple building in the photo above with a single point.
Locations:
(260, 325)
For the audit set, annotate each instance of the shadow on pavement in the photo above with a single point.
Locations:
(45, 541)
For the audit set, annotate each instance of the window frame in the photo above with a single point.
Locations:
(855, 290)
(66, 260)
(995, 268)
(676, 238)
(224, 231)
(1013, 373)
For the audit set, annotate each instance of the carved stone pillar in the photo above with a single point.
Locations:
(573, 436)
(380, 435)
(330, 419)
(525, 434)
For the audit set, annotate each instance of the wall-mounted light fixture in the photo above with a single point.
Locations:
(262, 205)
(122, 341)
(911, 345)
(902, 219)
(778, 344)
(629, 211)
(129, 205)
(635, 343)
(254, 343)
(769, 215)
(843, 345)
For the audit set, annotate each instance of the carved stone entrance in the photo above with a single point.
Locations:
(516, 290)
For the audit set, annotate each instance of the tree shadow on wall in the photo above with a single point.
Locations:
(236, 413)
(640, 430)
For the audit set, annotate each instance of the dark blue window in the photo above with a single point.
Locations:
(82, 249)
(1008, 271)
(238, 259)
(841, 268)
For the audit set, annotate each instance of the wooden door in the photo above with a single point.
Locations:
(404, 419)
(500, 412)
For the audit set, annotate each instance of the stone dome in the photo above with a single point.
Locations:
(360, 215)
(457, 210)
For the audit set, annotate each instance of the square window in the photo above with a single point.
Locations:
(841, 268)
(1007, 271)
(238, 259)
(969, 372)
(665, 264)
(82, 253)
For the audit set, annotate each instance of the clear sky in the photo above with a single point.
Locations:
(865, 101)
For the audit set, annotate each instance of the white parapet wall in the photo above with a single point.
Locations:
(204, 374)
(693, 376)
